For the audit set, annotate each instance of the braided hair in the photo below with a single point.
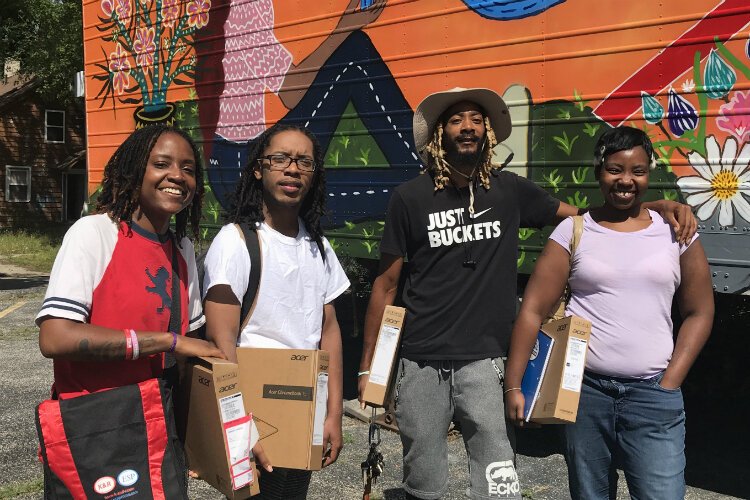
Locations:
(247, 203)
(438, 166)
(123, 177)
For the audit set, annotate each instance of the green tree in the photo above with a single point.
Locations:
(46, 37)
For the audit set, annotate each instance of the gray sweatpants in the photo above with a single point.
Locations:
(431, 394)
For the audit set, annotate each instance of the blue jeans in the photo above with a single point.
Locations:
(629, 422)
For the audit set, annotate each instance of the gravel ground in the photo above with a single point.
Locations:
(25, 378)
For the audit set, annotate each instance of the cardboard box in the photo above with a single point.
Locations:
(560, 390)
(213, 411)
(287, 392)
(384, 357)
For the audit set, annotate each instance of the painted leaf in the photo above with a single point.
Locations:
(682, 115)
(653, 111)
(719, 77)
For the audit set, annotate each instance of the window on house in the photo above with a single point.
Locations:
(54, 126)
(18, 184)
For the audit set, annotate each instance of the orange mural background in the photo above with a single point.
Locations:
(431, 45)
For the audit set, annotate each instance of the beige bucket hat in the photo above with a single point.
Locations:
(429, 110)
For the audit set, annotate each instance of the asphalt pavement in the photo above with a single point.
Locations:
(26, 376)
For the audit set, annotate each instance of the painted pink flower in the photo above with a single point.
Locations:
(119, 67)
(144, 46)
(170, 12)
(123, 9)
(734, 116)
(198, 13)
(107, 7)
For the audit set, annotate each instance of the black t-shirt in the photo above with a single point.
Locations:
(455, 311)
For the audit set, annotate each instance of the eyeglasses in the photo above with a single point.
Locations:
(282, 161)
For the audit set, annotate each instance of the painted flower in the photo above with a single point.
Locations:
(682, 115)
(688, 86)
(170, 12)
(723, 181)
(144, 46)
(119, 67)
(653, 111)
(197, 11)
(718, 77)
(734, 116)
(107, 7)
(123, 8)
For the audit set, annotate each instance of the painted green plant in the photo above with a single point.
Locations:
(671, 194)
(591, 129)
(553, 178)
(564, 114)
(578, 200)
(333, 158)
(579, 102)
(364, 156)
(564, 143)
(525, 233)
(369, 245)
(579, 174)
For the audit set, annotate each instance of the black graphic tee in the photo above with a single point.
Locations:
(460, 285)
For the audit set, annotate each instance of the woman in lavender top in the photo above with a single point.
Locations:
(623, 276)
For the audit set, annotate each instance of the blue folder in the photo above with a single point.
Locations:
(534, 374)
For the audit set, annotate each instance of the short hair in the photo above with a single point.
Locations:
(247, 203)
(435, 150)
(622, 138)
(123, 177)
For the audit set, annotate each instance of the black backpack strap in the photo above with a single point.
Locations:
(250, 235)
(170, 374)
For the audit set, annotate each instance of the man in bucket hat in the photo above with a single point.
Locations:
(458, 227)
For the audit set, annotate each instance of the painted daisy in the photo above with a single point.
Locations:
(723, 181)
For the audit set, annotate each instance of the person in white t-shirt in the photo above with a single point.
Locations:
(281, 192)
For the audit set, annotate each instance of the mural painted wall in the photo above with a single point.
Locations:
(354, 70)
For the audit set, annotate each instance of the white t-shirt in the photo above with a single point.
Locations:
(295, 284)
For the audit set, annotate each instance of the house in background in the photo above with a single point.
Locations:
(42, 156)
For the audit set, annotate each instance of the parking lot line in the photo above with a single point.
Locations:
(12, 308)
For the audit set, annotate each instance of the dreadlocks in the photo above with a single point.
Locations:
(123, 177)
(247, 203)
(439, 167)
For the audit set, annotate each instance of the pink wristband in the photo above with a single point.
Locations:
(128, 345)
(136, 346)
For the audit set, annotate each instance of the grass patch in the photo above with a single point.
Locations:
(18, 489)
(22, 333)
(34, 250)
(348, 438)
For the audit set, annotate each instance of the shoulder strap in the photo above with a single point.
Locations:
(577, 232)
(170, 373)
(252, 240)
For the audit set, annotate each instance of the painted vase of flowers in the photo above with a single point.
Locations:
(151, 51)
